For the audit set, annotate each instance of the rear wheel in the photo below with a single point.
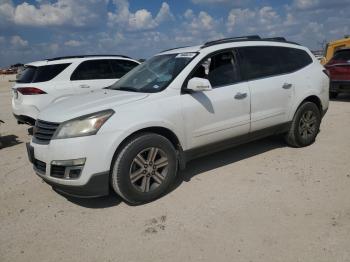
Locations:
(144, 169)
(305, 126)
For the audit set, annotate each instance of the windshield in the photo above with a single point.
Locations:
(155, 74)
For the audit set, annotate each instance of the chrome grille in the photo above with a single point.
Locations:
(43, 131)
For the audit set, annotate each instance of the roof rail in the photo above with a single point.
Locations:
(83, 56)
(247, 38)
(231, 39)
(166, 50)
(277, 39)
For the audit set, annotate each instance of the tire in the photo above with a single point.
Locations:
(333, 94)
(305, 126)
(135, 177)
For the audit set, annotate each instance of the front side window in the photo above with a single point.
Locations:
(155, 74)
(93, 69)
(220, 69)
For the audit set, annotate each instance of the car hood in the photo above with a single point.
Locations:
(84, 104)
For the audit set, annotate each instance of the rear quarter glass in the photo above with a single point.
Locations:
(32, 74)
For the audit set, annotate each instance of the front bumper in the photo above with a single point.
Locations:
(340, 86)
(93, 180)
(97, 185)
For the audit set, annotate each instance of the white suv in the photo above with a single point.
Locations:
(178, 105)
(45, 82)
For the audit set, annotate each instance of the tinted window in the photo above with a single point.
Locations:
(219, 69)
(264, 61)
(93, 69)
(293, 59)
(27, 75)
(33, 74)
(121, 67)
(342, 55)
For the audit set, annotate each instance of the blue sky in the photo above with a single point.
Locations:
(38, 29)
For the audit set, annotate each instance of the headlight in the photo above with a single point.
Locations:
(83, 126)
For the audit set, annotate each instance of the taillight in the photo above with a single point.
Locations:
(326, 71)
(30, 91)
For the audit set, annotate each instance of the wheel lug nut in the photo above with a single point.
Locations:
(144, 171)
(145, 166)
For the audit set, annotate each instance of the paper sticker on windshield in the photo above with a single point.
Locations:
(185, 55)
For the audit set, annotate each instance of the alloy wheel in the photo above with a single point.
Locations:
(148, 169)
(307, 125)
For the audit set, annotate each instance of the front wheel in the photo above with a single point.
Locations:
(305, 126)
(144, 169)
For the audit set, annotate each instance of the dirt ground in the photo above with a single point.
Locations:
(258, 202)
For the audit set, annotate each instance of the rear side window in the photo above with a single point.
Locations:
(93, 69)
(265, 61)
(121, 67)
(342, 55)
(32, 74)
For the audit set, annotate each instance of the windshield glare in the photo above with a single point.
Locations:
(155, 74)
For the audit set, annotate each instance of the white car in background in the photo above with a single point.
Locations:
(45, 82)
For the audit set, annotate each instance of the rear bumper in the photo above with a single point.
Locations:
(25, 114)
(340, 86)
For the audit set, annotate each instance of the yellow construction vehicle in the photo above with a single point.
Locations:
(333, 46)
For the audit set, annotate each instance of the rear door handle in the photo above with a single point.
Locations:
(240, 95)
(84, 86)
(286, 86)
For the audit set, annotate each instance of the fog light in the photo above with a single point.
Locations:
(71, 162)
(67, 169)
(73, 172)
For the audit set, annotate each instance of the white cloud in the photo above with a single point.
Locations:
(319, 4)
(228, 2)
(189, 14)
(77, 13)
(202, 22)
(305, 4)
(72, 43)
(17, 41)
(140, 20)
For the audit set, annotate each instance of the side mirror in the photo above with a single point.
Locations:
(197, 84)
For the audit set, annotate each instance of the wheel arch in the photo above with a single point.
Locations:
(314, 99)
(160, 130)
(310, 98)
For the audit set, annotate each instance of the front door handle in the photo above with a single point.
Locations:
(240, 95)
(286, 86)
(84, 86)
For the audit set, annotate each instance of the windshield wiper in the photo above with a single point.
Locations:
(123, 88)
